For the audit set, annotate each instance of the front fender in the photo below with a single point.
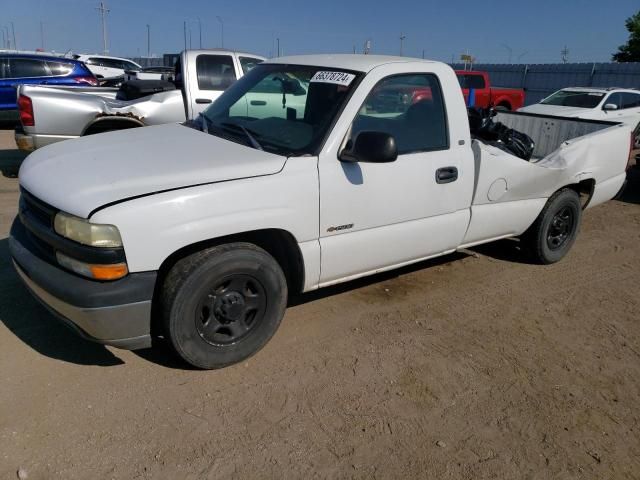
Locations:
(155, 226)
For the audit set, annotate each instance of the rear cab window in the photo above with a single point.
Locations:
(471, 81)
(215, 72)
(247, 63)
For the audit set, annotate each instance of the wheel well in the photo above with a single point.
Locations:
(110, 124)
(585, 190)
(280, 244)
(505, 104)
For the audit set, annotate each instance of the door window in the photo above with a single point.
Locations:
(27, 67)
(614, 99)
(630, 100)
(215, 72)
(408, 107)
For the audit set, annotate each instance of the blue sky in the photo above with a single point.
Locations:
(535, 31)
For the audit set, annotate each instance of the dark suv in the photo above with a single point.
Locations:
(16, 69)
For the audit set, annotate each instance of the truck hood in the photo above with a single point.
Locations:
(78, 176)
(556, 110)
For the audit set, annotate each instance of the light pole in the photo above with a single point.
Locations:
(184, 27)
(221, 30)
(148, 40)
(278, 40)
(103, 12)
(13, 29)
(402, 38)
(4, 39)
(200, 28)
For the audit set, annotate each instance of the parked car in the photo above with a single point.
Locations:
(55, 114)
(21, 69)
(478, 92)
(199, 232)
(613, 104)
(105, 67)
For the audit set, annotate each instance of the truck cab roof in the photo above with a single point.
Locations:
(360, 63)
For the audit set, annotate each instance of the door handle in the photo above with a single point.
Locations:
(258, 103)
(203, 100)
(446, 175)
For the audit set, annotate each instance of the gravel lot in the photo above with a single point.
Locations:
(477, 365)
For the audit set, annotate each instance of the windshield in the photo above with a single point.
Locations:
(573, 98)
(283, 109)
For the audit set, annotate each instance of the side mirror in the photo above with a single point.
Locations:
(373, 147)
(610, 107)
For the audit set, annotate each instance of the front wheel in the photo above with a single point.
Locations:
(222, 305)
(555, 230)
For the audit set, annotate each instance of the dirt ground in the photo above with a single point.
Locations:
(477, 365)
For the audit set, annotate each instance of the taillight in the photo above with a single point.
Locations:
(90, 80)
(25, 108)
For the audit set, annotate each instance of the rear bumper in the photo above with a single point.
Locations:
(112, 313)
(29, 142)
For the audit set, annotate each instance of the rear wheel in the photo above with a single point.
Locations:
(555, 230)
(222, 305)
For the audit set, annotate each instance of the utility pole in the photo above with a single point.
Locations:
(185, 34)
(367, 47)
(4, 39)
(278, 41)
(190, 46)
(200, 28)
(423, 53)
(221, 30)
(103, 12)
(148, 40)
(13, 29)
(42, 36)
(564, 52)
(402, 38)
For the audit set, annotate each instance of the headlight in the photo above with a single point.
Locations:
(82, 231)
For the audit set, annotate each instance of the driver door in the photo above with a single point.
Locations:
(375, 216)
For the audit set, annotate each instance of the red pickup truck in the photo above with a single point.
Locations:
(478, 92)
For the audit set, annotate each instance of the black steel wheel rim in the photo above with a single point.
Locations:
(231, 309)
(560, 228)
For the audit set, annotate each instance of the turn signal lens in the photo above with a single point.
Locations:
(96, 272)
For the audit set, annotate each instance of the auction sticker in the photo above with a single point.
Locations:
(338, 78)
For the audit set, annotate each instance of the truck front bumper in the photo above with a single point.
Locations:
(114, 313)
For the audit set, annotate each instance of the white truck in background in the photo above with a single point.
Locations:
(50, 114)
(199, 233)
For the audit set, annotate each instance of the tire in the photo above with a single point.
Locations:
(503, 107)
(555, 230)
(221, 305)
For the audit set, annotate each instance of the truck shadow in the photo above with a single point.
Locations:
(10, 161)
(631, 192)
(35, 326)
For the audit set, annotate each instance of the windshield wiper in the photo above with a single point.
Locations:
(252, 139)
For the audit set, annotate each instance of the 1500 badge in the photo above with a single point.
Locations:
(340, 228)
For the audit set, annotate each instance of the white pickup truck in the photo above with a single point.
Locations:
(307, 172)
(49, 114)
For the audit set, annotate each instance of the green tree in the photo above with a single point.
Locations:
(630, 52)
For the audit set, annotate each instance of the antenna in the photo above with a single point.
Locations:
(103, 12)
